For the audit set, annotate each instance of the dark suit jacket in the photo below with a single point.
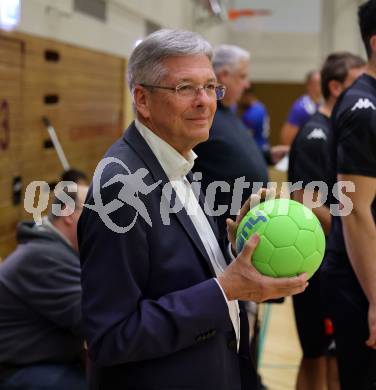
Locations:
(230, 153)
(154, 317)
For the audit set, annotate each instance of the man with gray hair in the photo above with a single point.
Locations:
(231, 152)
(231, 164)
(159, 305)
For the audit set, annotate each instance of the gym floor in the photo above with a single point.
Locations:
(280, 353)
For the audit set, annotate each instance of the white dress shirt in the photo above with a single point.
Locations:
(176, 168)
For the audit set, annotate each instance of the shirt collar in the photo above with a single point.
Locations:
(172, 162)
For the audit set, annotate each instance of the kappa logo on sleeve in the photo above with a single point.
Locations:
(317, 134)
(363, 104)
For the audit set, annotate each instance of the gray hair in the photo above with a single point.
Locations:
(145, 63)
(229, 56)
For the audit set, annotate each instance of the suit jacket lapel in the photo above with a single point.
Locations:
(139, 145)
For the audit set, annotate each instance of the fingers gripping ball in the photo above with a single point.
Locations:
(291, 238)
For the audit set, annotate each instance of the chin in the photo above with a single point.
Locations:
(202, 138)
(203, 132)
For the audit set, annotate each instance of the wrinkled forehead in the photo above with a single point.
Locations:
(195, 69)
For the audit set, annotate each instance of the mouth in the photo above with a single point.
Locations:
(199, 119)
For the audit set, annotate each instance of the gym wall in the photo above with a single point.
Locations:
(278, 98)
(81, 92)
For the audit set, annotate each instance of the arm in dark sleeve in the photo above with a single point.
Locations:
(121, 324)
(356, 148)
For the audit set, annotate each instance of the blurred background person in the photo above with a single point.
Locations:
(310, 161)
(41, 334)
(231, 151)
(303, 108)
(256, 118)
(76, 176)
(349, 270)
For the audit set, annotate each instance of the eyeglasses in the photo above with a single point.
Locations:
(190, 91)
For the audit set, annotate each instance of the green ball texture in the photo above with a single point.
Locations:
(291, 238)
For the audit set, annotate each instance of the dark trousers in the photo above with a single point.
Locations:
(348, 309)
(44, 377)
(310, 313)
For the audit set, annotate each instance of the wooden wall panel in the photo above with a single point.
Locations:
(88, 115)
(278, 98)
(11, 54)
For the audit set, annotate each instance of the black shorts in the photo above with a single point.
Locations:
(312, 321)
(348, 307)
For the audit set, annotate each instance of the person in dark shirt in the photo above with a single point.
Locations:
(350, 266)
(309, 161)
(230, 153)
(41, 334)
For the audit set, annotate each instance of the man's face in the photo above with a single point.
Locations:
(314, 86)
(183, 122)
(236, 81)
(73, 219)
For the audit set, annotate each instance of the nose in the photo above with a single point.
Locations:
(202, 98)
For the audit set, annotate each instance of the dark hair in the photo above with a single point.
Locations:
(336, 67)
(367, 23)
(74, 175)
(250, 89)
(241, 106)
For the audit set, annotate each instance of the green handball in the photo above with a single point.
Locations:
(291, 238)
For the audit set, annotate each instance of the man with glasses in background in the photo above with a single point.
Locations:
(160, 307)
(231, 151)
(231, 154)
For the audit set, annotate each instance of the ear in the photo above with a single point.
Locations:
(335, 88)
(141, 99)
(68, 220)
(372, 43)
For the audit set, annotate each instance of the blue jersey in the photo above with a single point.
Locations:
(302, 110)
(256, 118)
